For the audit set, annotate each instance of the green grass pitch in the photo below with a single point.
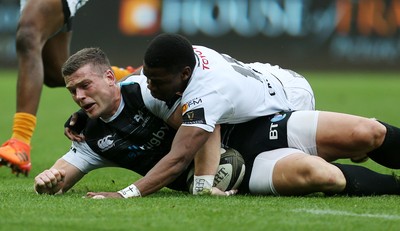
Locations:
(368, 94)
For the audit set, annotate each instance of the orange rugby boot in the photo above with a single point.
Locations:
(16, 155)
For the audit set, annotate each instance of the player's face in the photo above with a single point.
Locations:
(164, 85)
(92, 91)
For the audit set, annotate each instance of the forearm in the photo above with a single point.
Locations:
(207, 158)
(165, 172)
(186, 144)
(206, 164)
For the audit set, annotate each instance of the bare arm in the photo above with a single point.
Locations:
(186, 145)
(207, 158)
(175, 119)
(187, 142)
(58, 179)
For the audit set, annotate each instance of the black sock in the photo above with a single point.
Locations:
(361, 181)
(388, 154)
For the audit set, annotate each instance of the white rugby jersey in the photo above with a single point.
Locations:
(224, 90)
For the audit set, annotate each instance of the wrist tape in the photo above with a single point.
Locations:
(130, 191)
(202, 185)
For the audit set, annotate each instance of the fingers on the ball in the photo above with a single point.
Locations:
(231, 192)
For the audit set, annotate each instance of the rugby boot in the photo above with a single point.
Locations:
(16, 155)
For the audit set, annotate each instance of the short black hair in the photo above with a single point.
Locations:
(171, 52)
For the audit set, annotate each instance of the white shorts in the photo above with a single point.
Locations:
(301, 136)
(261, 174)
(302, 131)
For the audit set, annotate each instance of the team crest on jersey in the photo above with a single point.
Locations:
(195, 116)
(105, 143)
(191, 103)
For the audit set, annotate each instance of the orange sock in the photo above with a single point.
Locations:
(122, 72)
(24, 125)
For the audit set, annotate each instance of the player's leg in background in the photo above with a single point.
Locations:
(39, 21)
(55, 52)
(38, 25)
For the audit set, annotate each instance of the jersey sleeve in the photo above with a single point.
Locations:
(84, 158)
(157, 107)
(203, 107)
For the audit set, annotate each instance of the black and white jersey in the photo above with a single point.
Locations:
(134, 138)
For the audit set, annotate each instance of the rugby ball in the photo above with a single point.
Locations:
(230, 171)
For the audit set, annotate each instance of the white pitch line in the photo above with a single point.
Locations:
(345, 213)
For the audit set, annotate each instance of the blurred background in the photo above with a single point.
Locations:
(297, 34)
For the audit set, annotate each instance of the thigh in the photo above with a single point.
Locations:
(54, 54)
(45, 17)
(263, 173)
(302, 174)
(347, 136)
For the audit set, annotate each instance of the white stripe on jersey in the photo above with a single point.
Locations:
(85, 159)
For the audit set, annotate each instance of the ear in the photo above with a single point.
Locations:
(186, 73)
(109, 74)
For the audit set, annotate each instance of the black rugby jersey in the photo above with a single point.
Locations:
(136, 139)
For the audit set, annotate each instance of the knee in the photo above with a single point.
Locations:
(26, 39)
(327, 178)
(368, 133)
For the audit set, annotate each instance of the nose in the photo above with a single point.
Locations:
(80, 94)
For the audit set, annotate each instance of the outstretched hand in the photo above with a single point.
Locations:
(103, 195)
(217, 192)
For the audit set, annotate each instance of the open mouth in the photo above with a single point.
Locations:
(87, 107)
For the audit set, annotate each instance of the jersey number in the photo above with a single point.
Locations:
(246, 72)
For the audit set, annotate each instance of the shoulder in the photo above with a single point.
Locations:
(135, 79)
(137, 86)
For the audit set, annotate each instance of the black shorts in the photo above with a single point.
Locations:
(253, 137)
